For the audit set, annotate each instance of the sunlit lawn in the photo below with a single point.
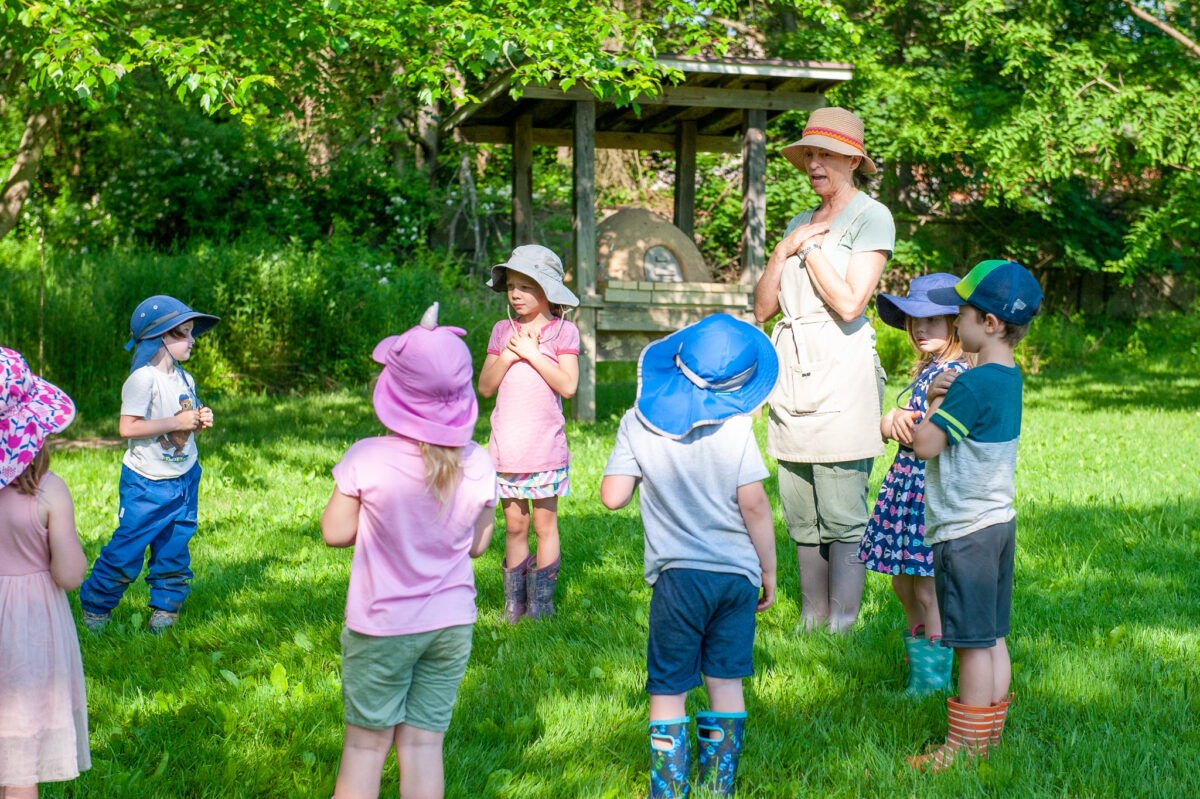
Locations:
(242, 699)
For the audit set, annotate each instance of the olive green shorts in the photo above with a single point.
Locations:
(825, 503)
(403, 679)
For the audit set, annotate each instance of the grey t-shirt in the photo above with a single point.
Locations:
(689, 494)
(150, 393)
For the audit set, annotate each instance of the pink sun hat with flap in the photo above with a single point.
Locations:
(30, 410)
(426, 391)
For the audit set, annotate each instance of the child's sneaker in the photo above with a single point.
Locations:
(96, 622)
(161, 620)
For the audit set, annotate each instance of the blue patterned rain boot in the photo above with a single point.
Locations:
(929, 667)
(718, 755)
(670, 759)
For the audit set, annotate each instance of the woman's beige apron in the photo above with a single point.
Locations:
(827, 404)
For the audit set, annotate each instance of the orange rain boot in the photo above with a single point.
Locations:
(969, 734)
(998, 725)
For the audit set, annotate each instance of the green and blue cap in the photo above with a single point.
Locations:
(1003, 288)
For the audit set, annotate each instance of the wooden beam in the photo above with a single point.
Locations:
(685, 178)
(605, 140)
(701, 96)
(762, 68)
(583, 406)
(754, 197)
(522, 185)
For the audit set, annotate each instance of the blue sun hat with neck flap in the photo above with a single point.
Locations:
(155, 316)
(714, 369)
(894, 310)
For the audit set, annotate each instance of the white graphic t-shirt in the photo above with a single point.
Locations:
(150, 393)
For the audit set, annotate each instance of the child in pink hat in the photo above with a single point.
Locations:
(416, 505)
(43, 707)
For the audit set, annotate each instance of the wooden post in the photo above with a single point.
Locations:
(584, 405)
(685, 177)
(522, 185)
(754, 196)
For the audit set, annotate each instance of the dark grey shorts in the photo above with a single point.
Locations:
(974, 577)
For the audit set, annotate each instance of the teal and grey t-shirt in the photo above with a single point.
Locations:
(969, 486)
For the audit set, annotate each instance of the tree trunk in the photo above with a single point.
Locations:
(38, 129)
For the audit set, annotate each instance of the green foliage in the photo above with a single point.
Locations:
(293, 317)
(1061, 132)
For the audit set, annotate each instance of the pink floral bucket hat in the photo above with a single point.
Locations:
(30, 410)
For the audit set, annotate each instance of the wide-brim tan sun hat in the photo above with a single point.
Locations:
(543, 266)
(834, 129)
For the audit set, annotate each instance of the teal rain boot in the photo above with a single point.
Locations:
(929, 667)
(910, 644)
(718, 755)
(670, 759)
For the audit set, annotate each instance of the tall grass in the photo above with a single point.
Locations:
(293, 317)
(242, 699)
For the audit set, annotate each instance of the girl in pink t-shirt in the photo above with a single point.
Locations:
(416, 505)
(532, 363)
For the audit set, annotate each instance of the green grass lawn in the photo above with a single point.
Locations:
(243, 698)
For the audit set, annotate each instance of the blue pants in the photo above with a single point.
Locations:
(161, 515)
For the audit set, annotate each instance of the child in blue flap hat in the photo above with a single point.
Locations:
(710, 536)
(160, 473)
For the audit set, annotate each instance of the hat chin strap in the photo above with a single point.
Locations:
(728, 384)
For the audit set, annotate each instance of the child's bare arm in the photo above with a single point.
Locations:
(68, 564)
(760, 524)
(483, 531)
(137, 427)
(339, 522)
(616, 490)
(928, 440)
(493, 371)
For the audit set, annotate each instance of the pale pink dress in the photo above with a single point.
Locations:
(43, 709)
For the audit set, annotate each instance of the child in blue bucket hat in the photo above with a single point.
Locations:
(160, 473)
(709, 533)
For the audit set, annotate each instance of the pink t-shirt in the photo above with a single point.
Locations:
(411, 571)
(528, 429)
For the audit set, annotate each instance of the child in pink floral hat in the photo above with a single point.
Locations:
(43, 708)
(416, 505)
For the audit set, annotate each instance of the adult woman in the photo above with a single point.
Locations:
(824, 420)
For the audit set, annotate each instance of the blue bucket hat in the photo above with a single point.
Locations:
(1004, 288)
(893, 310)
(156, 315)
(714, 369)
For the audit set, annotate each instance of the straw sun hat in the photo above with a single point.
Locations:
(834, 129)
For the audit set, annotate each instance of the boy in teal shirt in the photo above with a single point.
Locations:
(970, 449)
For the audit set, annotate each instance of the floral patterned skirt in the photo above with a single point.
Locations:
(894, 542)
(535, 485)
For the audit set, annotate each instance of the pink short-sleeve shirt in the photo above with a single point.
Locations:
(528, 429)
(411, 571)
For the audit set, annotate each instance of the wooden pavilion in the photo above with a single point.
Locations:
(721, 105)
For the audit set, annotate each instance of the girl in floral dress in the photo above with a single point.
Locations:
(893, 543)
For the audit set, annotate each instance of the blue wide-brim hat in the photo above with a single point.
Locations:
(712, 370)
(893, 310)
(153, 317)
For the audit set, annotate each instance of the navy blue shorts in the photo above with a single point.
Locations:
(973, 577)
(700, 622)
